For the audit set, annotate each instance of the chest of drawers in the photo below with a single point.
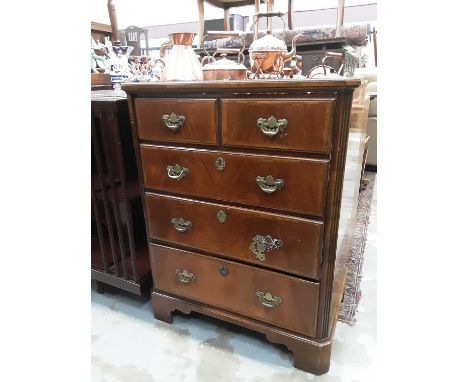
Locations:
(249, 191)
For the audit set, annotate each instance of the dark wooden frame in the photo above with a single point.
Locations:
(115, 199)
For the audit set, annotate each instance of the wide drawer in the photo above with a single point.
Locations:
(298, 125)
(176, 120)
(277, 299)
(293, 184)
(281, 242)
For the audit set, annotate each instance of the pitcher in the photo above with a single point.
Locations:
(182, 63)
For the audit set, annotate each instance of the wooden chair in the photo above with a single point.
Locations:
(113, 21)
(227, 4)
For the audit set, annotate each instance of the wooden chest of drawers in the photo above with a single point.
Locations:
(250, 191)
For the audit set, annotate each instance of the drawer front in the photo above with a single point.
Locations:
(277, 299)
(174, 120)
(293, 184)
(285, 243)
(299, 125)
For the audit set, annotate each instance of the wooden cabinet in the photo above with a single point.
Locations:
(250, 203)
(119, 249)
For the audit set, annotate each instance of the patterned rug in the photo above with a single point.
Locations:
(352, 292)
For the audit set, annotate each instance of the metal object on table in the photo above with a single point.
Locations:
(224, 69)
(325, 71)
(268, 54)
(182, 63)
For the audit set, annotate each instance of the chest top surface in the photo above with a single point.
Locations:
(233, 86)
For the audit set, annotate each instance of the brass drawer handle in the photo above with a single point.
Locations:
(269, 184)
(271, 126)
(181, 225)
(177, 172)
(268, 299)
(261, 244)
(185, 276)
(173, 121)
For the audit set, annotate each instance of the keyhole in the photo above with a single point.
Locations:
(223, 270)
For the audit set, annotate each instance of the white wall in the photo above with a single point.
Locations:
(162, 12)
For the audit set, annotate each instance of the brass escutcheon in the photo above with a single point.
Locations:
(220, 164)
(221, 216)
(261, 244)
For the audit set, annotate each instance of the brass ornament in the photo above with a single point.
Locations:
(271, 126)
(177, 172)
(269, 184)
(173, 121)
(180, 224)
(221, 216)
(268, 300)
(261, 244)
(220, 164)
(185, 276)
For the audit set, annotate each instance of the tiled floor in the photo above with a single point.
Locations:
(128, 345)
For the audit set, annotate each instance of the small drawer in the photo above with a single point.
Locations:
(275, 241)
(284, 183)
(176, 120)
(285, 124)
(280, 300)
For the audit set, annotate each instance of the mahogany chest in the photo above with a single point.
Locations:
(249, 192)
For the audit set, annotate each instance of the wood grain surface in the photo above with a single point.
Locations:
(304, 189)
(308, 123)
(299, 252)
(199, 125)
(236, 291)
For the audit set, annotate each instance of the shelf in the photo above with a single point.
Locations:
(131, 192)
(142, 262)
(96, 258)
